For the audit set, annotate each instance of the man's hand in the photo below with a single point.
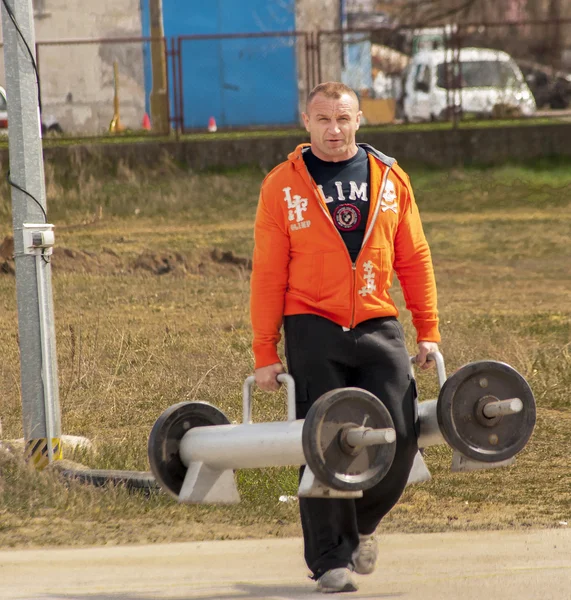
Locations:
(266, 377)
(424, 349)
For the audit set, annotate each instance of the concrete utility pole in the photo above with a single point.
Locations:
(33, 239)
(159, 95)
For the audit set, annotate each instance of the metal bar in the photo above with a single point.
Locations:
(366, 436)
(290, 383)
(83, 41)
(279, 443)
(234, 36)
(43, 302)
(308, 65)
(318, 55)
(315, 58)
(457, 85)
(247, 396)
(515, 23)
(510, 406)
(412, 27)
(159, 90)
(254, 446)
(167, 79)
(114, 40)
(172, 54)
(440, 367)
(447, 69)
(247, 399)
(180, 85)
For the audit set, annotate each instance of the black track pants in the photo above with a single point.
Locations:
(321, 356)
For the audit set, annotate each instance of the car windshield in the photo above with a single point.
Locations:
(476, 73)
(2, 103)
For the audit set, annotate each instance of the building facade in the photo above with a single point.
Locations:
(91, 53)
(77, 79)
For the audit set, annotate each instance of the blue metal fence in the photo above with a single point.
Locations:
(237, 61)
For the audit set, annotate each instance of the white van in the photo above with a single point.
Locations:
(479, 81)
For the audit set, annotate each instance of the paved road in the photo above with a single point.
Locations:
(453, 566)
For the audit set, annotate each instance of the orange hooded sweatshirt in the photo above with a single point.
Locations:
(301, 263)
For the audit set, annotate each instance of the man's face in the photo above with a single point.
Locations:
(332, 124)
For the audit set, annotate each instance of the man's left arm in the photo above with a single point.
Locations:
(413, 266)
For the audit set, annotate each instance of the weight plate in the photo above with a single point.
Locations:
(460, 411)
(330, 460)
(166, 435)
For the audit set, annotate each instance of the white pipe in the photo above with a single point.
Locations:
(430, 434)
(44, 342)
(502, 407)
(247, 396)
(440, 367)
(249, 446)
(278, 444)
(366, 436)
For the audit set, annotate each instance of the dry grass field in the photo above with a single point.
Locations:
(151, 279)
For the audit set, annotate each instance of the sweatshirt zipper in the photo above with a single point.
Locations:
(354, 286)
(353, 264)
(365, 238)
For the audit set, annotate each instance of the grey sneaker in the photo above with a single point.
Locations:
(365, 557)
(336, 580)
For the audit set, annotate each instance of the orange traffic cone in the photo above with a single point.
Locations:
(146, 125)
(212, 125)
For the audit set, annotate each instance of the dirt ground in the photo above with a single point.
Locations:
(110, 262)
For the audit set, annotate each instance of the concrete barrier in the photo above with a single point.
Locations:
(437, 148)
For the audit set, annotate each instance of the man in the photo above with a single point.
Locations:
(334, 222)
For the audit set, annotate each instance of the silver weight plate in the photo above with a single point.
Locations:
(166, 435)
(330, 459)
(460, 411)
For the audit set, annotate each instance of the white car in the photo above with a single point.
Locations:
(3, 109)
(49, 123)
(478, 81)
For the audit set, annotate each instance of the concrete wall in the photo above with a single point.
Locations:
(490, 146)
(77, 80)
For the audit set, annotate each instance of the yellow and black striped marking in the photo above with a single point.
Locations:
(36, 452)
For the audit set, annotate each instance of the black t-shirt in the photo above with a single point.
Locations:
(345, 185)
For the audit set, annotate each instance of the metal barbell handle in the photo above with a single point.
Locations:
(440, 368)
(497, 408)
(247, 396)
(366, 436)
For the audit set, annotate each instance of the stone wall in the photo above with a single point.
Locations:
(464, 147)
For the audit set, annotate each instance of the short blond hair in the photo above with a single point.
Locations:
(330, 89)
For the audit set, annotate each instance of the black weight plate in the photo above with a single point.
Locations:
(165, 437)
(461, 425)
(325, 454)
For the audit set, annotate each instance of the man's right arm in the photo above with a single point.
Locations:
(270, 270)
(413, 265)
(266, 377)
